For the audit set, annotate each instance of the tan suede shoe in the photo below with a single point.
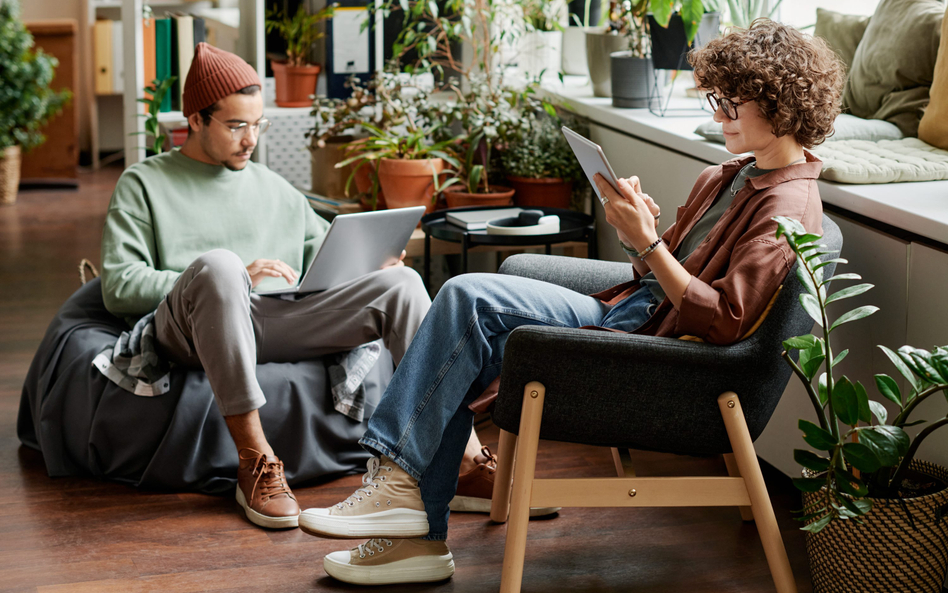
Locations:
(387, 505)
(388, 561)
(476, 488)
(263, 493)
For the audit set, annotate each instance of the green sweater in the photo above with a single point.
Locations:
(169, 209)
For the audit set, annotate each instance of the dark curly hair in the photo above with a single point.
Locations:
(796, 80)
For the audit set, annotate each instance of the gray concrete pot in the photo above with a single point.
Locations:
(599, 46)
(631, 78)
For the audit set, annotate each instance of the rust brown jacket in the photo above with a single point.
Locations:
(741, 264)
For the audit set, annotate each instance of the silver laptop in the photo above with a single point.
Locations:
(355, 245)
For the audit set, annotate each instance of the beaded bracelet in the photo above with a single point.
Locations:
(648, 250)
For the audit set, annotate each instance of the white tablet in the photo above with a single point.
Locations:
(592, 159)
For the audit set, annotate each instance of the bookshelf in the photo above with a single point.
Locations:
(250, 47)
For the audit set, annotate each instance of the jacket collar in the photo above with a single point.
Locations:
(808, 170)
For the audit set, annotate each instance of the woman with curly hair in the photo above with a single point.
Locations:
(710, 275)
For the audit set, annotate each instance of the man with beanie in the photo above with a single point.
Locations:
(190, 232)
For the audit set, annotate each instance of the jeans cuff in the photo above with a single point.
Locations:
(381, 449)
(436, 537)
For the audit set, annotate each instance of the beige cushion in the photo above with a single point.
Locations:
(885, 161)
(934, 125)
(846, 127)
(841, 31)
(894, 64)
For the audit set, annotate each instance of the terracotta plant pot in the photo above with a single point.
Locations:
(363, 185)
(458, 198)
(327, 180)
(9, 174)
(294, 84)
(409, 182)
(549, 191)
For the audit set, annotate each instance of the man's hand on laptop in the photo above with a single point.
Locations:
(272, 268)
(400, 262)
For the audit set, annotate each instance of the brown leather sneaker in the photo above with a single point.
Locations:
(388, 561)
(476, 488)
(387, 505)
(263, 493)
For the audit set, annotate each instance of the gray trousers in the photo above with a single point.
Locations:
(211, 320)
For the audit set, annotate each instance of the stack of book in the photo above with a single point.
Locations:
(168, 50)
(332, 206)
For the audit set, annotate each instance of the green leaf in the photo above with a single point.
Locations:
(854, 315)
(789, 227)
(849, 291)
(816, 437)
(826, 262)
(821, 389)
(842, 277)
(889, 388)
(691, 13)
(889, 443)
(800, 342)
(818, 526)
(921, 363)
(810, 360)
(810, 460)
(879, 411)
(862, 398)
(804, 277)
(809, 484)
(904, 370)
(861, 457)
(849, 484)
(845, 402)
(812, 307)
(839, 357)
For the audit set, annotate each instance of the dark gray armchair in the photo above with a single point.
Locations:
(640, 392)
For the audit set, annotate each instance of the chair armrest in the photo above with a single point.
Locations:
(586, 276)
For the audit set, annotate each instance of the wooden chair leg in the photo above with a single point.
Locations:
(506, 457)
(527, 443)
(617, 460)
(763, 510)
(735, 472)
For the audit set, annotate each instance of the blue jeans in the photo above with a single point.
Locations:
(423, 422)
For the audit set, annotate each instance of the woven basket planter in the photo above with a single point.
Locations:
(9, 174)
(901, 547)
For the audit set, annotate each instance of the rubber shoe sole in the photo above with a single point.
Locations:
(421, 569)
(265, 520)
(473, 504)
(397, 523)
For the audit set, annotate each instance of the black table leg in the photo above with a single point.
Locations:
(549, 249)
(592, 250)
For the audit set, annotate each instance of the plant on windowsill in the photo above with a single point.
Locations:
(409, 164)
(26, 100)
(541, 166)
(541, 46)
(295, 77)
(865, 494)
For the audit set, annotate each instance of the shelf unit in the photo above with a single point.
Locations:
(250, 47)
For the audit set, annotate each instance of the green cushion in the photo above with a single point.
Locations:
(894, 63)
(841, 31)
(846, 127)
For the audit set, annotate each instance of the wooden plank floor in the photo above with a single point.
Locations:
(79, 534)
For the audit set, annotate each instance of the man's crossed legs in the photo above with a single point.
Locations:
(211, 320)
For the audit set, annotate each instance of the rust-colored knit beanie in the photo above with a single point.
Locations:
(214, 74)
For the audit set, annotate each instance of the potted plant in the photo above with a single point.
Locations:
(582, 14)
(26, 100)
(295, 77)
(602, 42)
(875, 515)
(541, 46)
(541, 166)
(744, 12)
(409, 164)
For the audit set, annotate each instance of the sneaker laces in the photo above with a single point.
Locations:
(270, 478)
(491, 461)
(373, 545)
(370, 482)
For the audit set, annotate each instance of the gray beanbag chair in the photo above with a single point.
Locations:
(86, 425)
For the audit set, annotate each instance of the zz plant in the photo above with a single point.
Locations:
(859, 455)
